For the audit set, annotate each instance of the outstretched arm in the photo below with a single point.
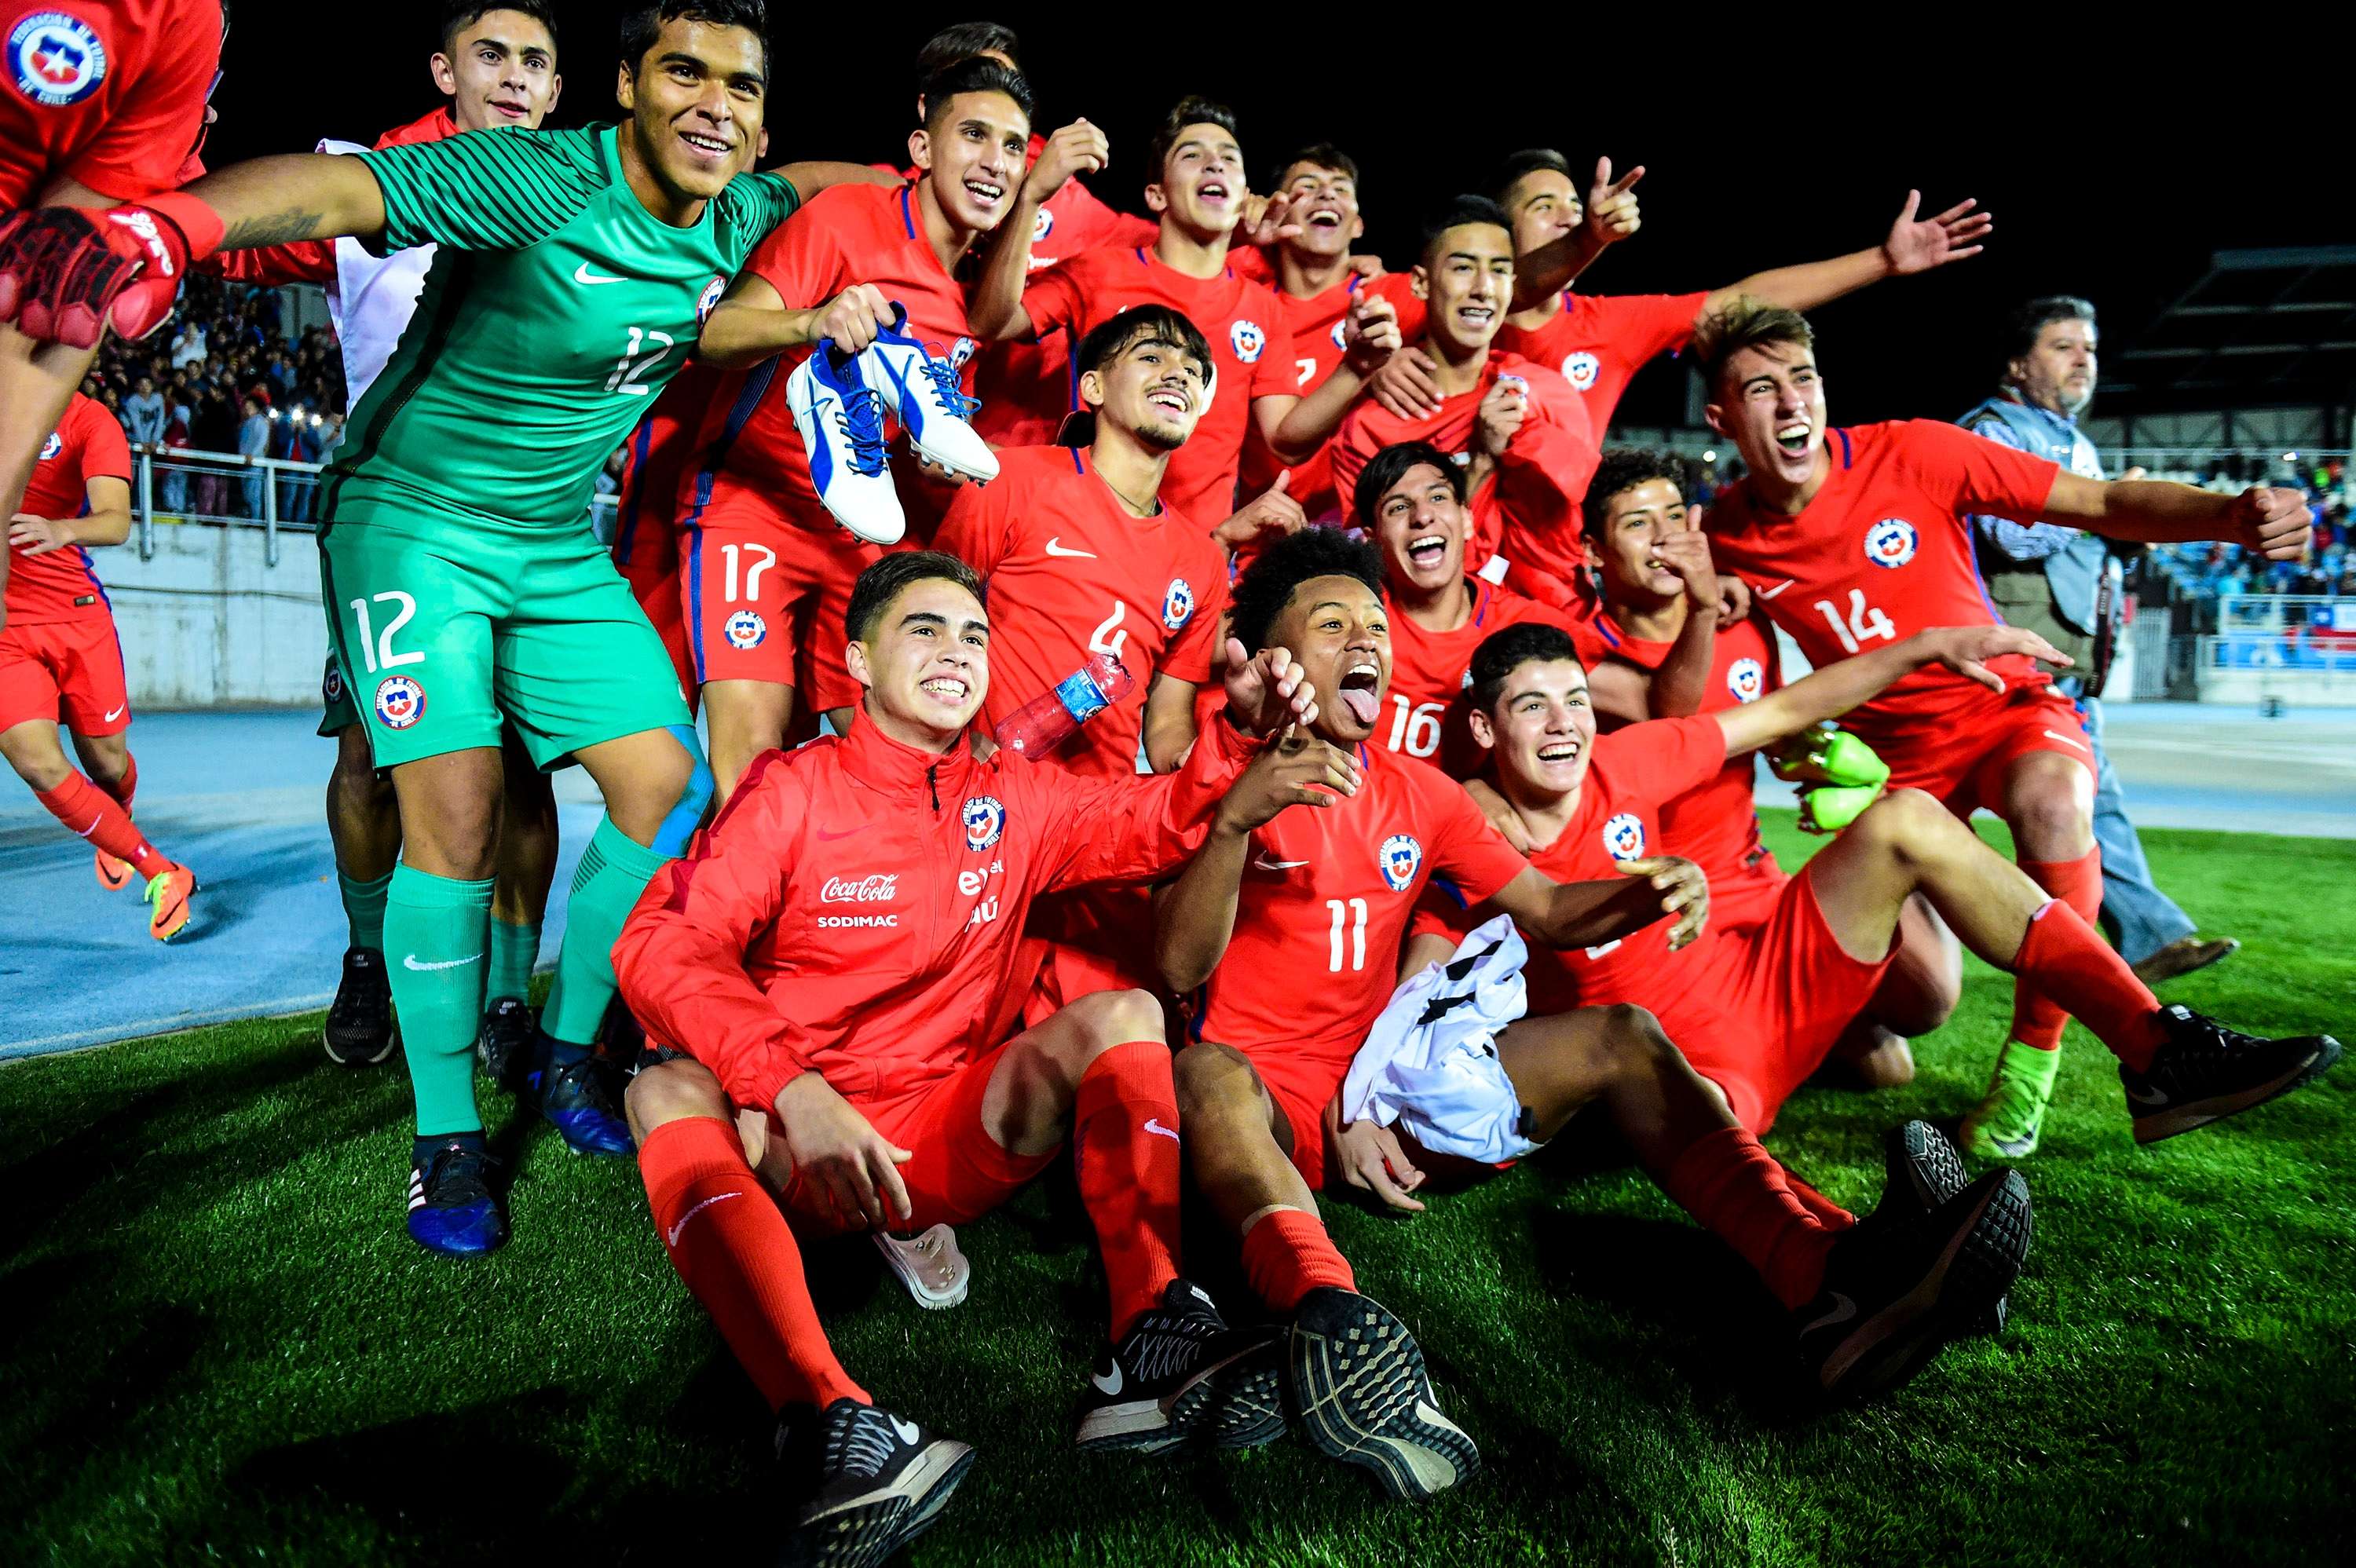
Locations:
(2275, 523)
(1845, 684)
(1913, 245)
(1589, 914)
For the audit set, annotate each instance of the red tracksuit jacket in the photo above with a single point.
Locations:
(858, 907)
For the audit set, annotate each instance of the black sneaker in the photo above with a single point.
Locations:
(870, 1482)
(1893, 1293)
(584, 1101)
(1359, 1385)
(1924, 1171)
(453, 1207)
(1181, 1374)
(505, 1045)
(2205, 1073)
(361, 1030)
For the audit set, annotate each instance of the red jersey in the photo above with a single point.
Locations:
(747, 446)
(1319, 327)
(857, 908)
(1071, 573)
(1431, 670)
(1025, 386)
(1618, 818)
(313, 260)
(108, 92)
(1327, 895)
(1598, 341)
(61, 586)
(1717, 825)
(1251, 354)
(1882, 552)
(646, 513)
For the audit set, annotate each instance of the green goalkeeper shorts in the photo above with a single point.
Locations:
(439, 641)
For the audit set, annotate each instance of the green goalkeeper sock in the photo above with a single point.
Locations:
(613, 870)
(436, 933)
(514, 950)
(364, 909)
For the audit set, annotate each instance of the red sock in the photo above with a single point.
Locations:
(1733, 1186)
(2037, 1018)
(737, 1254)
(1288, 1254)
(2069, 962)
(1829, 1214)
(1125, 1154)
(92, 813)
(123, 788)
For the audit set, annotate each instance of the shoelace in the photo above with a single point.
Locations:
(458, 1175)
(944, 378)
(861, 423)
(2017, 1108)
(1167, 1341)
(861, 1444)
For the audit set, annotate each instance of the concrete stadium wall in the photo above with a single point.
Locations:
(208, 623)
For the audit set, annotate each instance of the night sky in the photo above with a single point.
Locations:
(2110, 174)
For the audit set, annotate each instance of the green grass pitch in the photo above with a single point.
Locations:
(221, 1347)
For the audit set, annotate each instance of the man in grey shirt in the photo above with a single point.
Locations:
(144, 414)
(2049, 579)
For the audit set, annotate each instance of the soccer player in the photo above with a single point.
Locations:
(822, 972)
(1411, 503)
(496, 66)
(61, 661)
(1853, 537)
(103, 103)
(1657, 650)
(1526, 438)
(1757, 1012)
(1598, 342)
(765, 569)
(1323, 899)
(1198, 188)
(467, 588)
(1079, 557)
(1318, 281)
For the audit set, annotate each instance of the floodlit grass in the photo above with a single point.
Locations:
(221, 1346)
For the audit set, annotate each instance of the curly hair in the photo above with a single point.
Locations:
(1268, 584)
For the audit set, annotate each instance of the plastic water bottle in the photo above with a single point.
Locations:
(1042, 724)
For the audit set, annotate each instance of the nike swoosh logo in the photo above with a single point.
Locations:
(678, 1229)
(1108, 1384)
(1153, 1124)
(1770, 592)
(116, 714)
(2050, 734)
(2149, 1096)
(907, 1431)
(826, 838)
(1055, 547)
(1842, 1312)
(1265, 864)
(582, 274)
(410, 961)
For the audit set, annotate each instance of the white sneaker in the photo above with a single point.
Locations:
(841, 423)
(929, 1265)
(924, 394)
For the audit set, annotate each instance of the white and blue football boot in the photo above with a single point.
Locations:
(840, 420)
(924, 394)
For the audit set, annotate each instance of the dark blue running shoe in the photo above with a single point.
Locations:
(451, 1206)
(584, 1099)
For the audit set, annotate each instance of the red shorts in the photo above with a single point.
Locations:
(762, 598)
(1744, 898)
(1965, 771)
(959, 1173)
(1090, 940)
(1775, 1002)
(64, 671)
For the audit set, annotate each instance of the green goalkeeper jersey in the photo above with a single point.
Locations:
(556, 309)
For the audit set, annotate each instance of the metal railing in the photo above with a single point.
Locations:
(180, 485)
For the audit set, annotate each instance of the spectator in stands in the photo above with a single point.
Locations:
(253, 441)
(2051, 579)
(144, 413)
(214, 431)
(172, 482)
(189, 345)
(296, 439)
